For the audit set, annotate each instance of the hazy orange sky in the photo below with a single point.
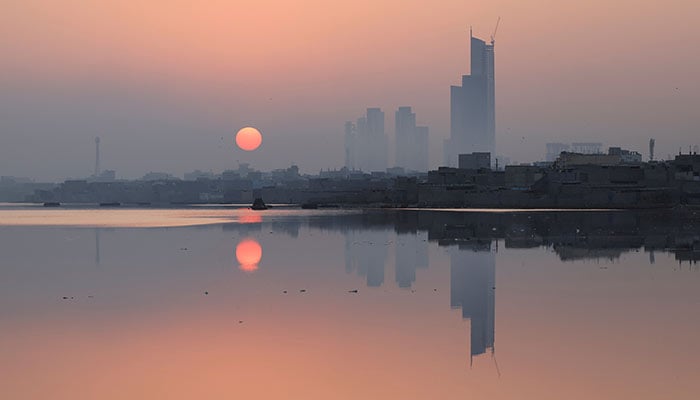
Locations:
(163, 81)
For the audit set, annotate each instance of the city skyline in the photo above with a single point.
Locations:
(166, 88)
(367, 146)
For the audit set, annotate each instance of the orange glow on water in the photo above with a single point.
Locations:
(248, 254)
(251, 218)
(248, 138)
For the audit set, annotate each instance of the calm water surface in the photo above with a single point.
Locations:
(215, 302)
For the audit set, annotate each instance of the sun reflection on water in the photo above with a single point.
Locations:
(248, 254)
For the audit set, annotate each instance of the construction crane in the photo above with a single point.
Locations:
(493, 37)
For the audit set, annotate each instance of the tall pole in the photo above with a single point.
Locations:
(97, 156)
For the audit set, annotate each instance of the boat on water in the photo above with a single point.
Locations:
(52, 204)
(259, 204)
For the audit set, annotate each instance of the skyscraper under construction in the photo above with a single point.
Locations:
(472, 106)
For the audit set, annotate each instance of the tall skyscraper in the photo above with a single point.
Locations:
(473, 107)
(411, 141)
(366, 146)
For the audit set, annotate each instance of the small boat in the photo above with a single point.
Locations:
(259, 204)
(52, 204)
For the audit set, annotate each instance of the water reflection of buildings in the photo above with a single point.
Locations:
(471, 236)
(472, 284)
(572, 236)
(366, 254)
(411, 254)
(472, 274)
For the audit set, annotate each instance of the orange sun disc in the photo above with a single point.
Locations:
(248, 138)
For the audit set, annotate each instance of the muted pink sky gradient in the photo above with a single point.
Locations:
(163, 81)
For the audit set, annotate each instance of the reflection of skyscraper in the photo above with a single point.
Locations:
(366, 253)
(472, 267)
(411, 254)
(472, 282)
(472, 107)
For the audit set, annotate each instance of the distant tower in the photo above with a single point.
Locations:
(652, 142)
(97, 156)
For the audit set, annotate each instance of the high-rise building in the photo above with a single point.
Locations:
(405, 123)
(350, 145)
(421, 159)
(411, 141)
(473, 107)
(366, 146)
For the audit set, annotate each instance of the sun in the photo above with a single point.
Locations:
(248, 254)
(248, 138)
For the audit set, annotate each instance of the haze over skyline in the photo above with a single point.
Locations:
(167, 84)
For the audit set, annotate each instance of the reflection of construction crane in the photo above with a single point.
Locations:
(493, 37)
